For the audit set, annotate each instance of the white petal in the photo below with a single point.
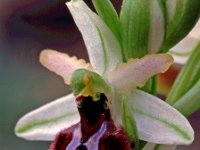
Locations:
(151, 146)
(195, 33)
(186, 45)
(136, 72)
(158, 122)
(44, 122)
(62, 64)
(103, 48)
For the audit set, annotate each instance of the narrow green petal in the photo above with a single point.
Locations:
(129, 123)
(181, 18)
(109, 15)
(190, 101)
(158, 122)
(45, 122)
(187, 78)
(103, 48)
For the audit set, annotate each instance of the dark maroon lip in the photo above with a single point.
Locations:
(108, 137)
(93, 114)
(95, 131)
(92, 110)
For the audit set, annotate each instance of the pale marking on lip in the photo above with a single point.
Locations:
(92, 143)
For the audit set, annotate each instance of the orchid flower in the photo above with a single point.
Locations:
(115, 73)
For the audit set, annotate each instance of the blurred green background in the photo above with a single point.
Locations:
(27, 27)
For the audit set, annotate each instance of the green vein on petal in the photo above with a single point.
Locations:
(109, 15)
(158, 122)
(104, 49)
(46, 121)
(88, 22)
(38, 123)
(173, 126)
